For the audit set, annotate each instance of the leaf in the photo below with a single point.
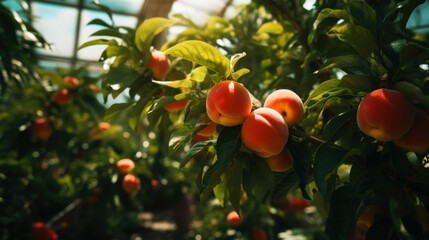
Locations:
(111, 32)
(357, 83)
(339, 125)
(326, 159)
(323, 87)
(185, 19)
(363, 14)
(342, 93)
(412, 54)
(401, 13)
(220, 190)
(184, 83)
(179, 136)
(198, 74)
(167, 100)
(234, 179)
(238, 74)
(344, 61)
(98, 42)
(235, 58)
(122, 76)
(413, 92)
(104, 8)
(148, 30)
(337, 14)
(98, 21)
(258, 180)
(203, 54)
(357, 37)
(271, 28)
(135, 113)
(225, 148)
(195, 149)
(301, 162)
(115, 109)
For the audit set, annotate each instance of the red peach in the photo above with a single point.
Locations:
(154, 183)
(40, 231)
(385, 115)
(280, 162)
(259, 234)
(367, 216)
(228, 103)
(158, 63)
(52, 235)
(104, 126)
(176, 106)
(72, 81)
(41, 128)
(288, 104)
(125, 165)
(130, 183)
(207, 131)
(265, 132)
(198, 138)
(93, 87)
(297, 203)
(417, 138)
(62, 97)
(233, 218)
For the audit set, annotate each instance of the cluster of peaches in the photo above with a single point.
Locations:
(265, 130)
(388, 115)
(43, 232)
(130, 182)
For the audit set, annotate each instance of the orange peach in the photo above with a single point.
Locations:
(62, 97)
(207, 131)
(125, 165)
(385, 115)
(367, 216)
(417, 139)
(280, 162)
(158, 63)
(104, 126)
(41, 128)
(72, 81)
(233, 218)
(176, 106)
(228, 103)
(130, 183)
(265, 132)
(288, 104)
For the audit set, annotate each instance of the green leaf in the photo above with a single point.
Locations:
(179, 136)
(342, 93)
(363, 14)
(357, 37)
(401, 13)
(198, 74)
(271, 28)
(203, 54)
(233, 181)
(357, 83)
(412, 54)
(182, 18)
(115, 109)
(135, 114)
(238, 74)
(111, 32)
(344, 61)
(184, 83)
(148, 30)
(413, 92)
(225, 148)
(258, 180)
(122, 76)
(220, 190)
(301, 162)
(337, 126)
(195, 149)
(104, 8)
(167, 100)
(98, 42)
(98, 21)
(337, 14)
(326, 160)
(323, 87)
(235, 58)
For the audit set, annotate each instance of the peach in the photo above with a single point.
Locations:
(207, 131)
(385, 115)
(280, 162)
(366, 219)
(125, 165)
(228, 103)
(233, 218)
(72, 81)
(297, 203)
(62, 97)
(41, 128)
(176, 106)
(265, 132)
(93, 87)
(130, 183)
(158, 63)
(104, 126)
(288, 104)
(417, 138)
(259, 234)
(198, 138)
(154, 183)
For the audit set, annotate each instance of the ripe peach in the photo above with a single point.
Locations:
(62, 97)
(417, 138)
(265, 132)
(297, 203)
(158, 63)
(288, 104)
(130, 183)
(154, 183)
(385, 115)
(52, 235)
(198, 138)
(41, 128)
(259, 234)
(280, 162)
(72, 81)
(176, 106)
(125, 165)
(367, 216)
(40, 231)
(104, 126)
(93, 87)
(207, 131)
(228, 103)
(233, 218)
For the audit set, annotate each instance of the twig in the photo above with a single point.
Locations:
(307, 137)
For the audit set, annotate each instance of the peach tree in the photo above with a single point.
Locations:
(359, 153)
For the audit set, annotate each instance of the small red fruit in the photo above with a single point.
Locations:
(104, 126)
(130, 183)
(62, 97)
(209, 130)
(297, 203)
(72, 81)
(41, 128)
(259, 234)
(125, 165)
(158, 63)
(233, 218)
(154, 183)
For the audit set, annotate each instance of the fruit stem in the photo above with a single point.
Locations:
(308, 138)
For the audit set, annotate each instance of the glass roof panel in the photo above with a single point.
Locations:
(93, 53)
(65, 2)
(125, 6)
(419, 19)
(58, 25)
